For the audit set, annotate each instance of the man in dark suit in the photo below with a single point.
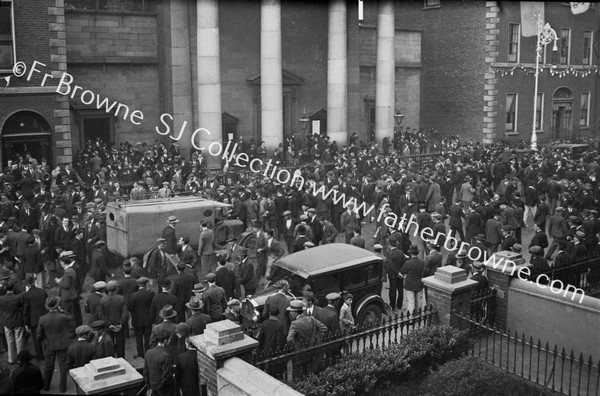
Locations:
(164, 297)
(315, 225)
(78, 249)
(205, 249)
(557, 230)
(28, 217)
(105, 347)
(215, 301)
(288, 224)
(412, 272)
(158, 366)
(349, 221)
(539, 237)
(81, 352)
(186, 371)
(34, 300)
(456, 223)
(139, 307)
(303, 327)
(198, 320)
(158, 263)
(562, 258)
(128, 285)
(226, 278)
(298, 243)
(493, 233)
(93, 300)
(329, 315)
(169, 234)
(113, 311)
(281, 301)
(167, 315)
(182, 290)
(57, 330)
(394, 263)
(11, 317)
(272, 335)
(63, 233)
(99, 271)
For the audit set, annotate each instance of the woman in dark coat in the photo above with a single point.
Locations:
(27, 378)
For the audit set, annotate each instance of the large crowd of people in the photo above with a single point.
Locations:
(53, 239)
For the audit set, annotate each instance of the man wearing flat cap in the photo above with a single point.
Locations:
(105, 347)
(93, 300)
(99, 270)
(329, 315)
(158, 263)
(112, 309)
(81, 352)
(69, 286)
(56, 330)
(579, 251)
(540, 264)
(139, 306)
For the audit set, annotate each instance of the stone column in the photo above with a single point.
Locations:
(209, 79)
(220, 341)
(449, 290)
(337, 73)
(271, 95)
(385, 71)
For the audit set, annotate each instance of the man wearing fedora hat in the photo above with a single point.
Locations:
(303, 328)
(169, 234)
(478, 275)
(56, 330)
(158, 365)
(197, 320)
(162, 298)
(168, 315)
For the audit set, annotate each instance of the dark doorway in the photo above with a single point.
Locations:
(94, 128)
(26, 132)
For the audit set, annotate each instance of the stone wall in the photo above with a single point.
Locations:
(553, 317)
(238, 378)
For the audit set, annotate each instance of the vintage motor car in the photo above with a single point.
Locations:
(336, 267)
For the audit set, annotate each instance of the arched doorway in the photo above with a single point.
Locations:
(562, 110)
(25, 132)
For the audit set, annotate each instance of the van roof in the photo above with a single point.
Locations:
(325, 258)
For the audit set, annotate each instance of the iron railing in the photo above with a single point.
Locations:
(533, 360)
(297, 360)
(483, 305)
(584, 275)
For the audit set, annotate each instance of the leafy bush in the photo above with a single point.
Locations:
(360, 373)
(470, 376)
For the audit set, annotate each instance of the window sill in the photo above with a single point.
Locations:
(511, 133)
(432, 7)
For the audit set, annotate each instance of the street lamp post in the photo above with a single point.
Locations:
(544, 36)
(304, 120)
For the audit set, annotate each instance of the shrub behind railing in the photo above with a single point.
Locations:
(419, 352)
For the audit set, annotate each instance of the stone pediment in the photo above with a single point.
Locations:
(288, 78)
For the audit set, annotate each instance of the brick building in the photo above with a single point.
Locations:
(478, 70)
(208, 66)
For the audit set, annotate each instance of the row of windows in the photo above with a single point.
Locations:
(512, 111)
(562, 56)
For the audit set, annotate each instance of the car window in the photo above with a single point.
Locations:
(373, 272)
(325, 284)
(355, 277)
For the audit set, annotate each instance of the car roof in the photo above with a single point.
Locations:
(325, 258)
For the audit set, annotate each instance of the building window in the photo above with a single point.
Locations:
(7, 36)
(565, 46)
(514, 35)
(511, 112)
(539, 112)
(432, 4)
(584, 114)
(588, 42)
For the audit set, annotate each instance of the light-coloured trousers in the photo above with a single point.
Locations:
(15, 339)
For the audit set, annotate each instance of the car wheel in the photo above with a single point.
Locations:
(370, 314)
